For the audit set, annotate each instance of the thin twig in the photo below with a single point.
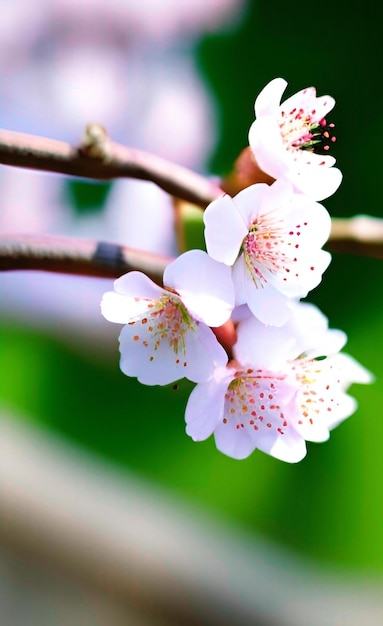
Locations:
(102, 159)
(77, 256)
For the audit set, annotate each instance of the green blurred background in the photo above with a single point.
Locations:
(330, 505)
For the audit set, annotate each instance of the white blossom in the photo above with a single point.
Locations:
(282, 389)
(273, 237)
(167, 334)
(292, 140)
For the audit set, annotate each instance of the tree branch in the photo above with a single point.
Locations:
(77, 256)
(99, 158)
(361, 235)
(102, 159)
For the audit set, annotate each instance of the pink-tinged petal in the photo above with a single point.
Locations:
(138, 285)
(298, 279)
(224, 230)
(266, 347)
(150, 364)
(304, 99)
(317, 182)
(155, 360)
(321, 400)
(123, 309)
(312, 336)
(203, 353)
(325, 344)
(266, 142)
(351, 370)
(278, 197)
(268, 304)
(311, 426)
(282, 250)
(290, 447)
(237, 444)
(346, 406)
(204, 285)
(239, 276)
(248, 202)
(287, 140)
(241, 312)
(257, 403)
(323, 106)
(316, 107)
(288, 245)
(269, 98)
(305, 157)
(309, 218)
(204, 409)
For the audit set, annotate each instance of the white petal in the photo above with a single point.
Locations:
(305, 157)
(317, 218)
(307, 100)
(241, 312)
(204, 409)
(122, 309)
(347, 405)
(269, 98)
(310, 328)
(352, 371)
(203, 354)
(278, 196)
(322, 402)
(234, 443)
(224, 230)
(311, 427)
(263, 346)
(317, 182)
(204, 285)
(268, 304)
(304, 226)
(303, 99)
(149, 364)
(323, 106)
(266, 142)
(138, 285)
(248, 202)
(239, 276)
(325, 343)
(156, 362)
(290, 447)
(303, 276)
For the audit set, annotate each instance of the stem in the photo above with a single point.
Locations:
(102, 159)
(77, 256)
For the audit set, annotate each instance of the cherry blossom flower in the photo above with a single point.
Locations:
(273, 236)
(167, 334)
(276, 394)
(291, 140)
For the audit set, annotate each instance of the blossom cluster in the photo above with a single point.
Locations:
(283, 381)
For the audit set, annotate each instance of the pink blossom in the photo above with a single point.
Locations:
(167, 334)
(281, 391)
(292, 140)
(273, 237)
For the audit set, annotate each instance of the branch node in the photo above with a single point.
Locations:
(95, 143)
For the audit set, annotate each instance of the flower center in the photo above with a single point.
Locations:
(319, 389)
(301, 130)
(252, 401)
(262, 249)
(172, 322)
